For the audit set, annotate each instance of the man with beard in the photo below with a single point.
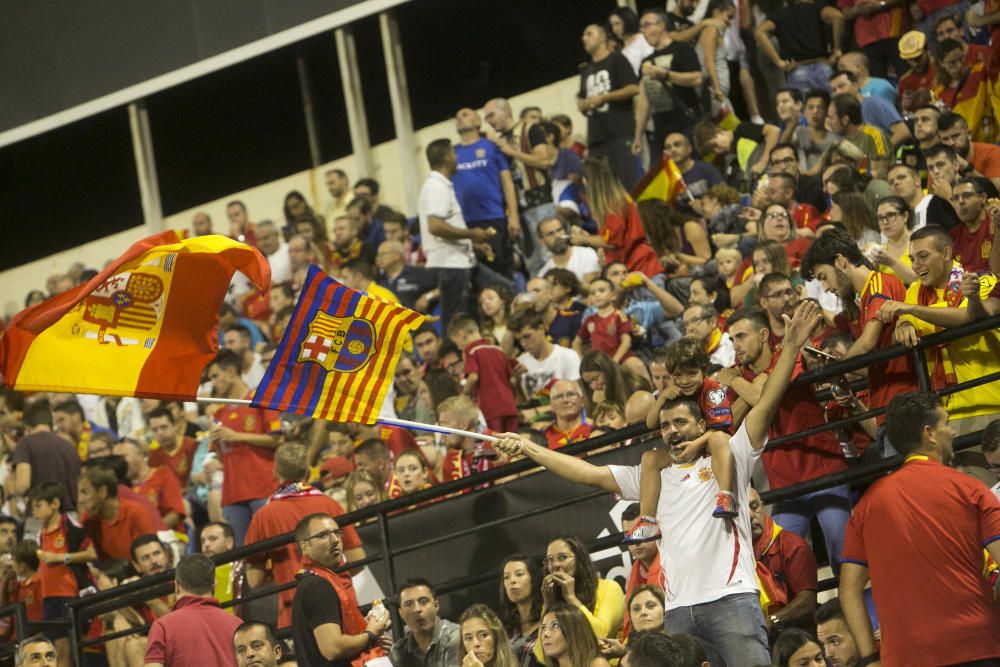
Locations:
(777, 297)
(327, 625)
(946, 517)
(802, 459)
(582, 261)
(933, 301)
(973, 238)
(904, 181)
(835, 637)
(985, 158)
(915, 84)
(699, 552)
(698, 176)
(786, 568)
(150, 556)
(836, 261)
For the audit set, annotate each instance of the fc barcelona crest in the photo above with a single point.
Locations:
(343, 344)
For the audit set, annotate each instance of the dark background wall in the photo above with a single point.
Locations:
(241, 126)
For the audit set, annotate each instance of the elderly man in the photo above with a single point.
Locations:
(275, 251)
(570, 424)
(36, 651)
(702, 322)
(412, 285)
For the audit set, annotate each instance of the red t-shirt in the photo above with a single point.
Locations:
(179, 462)
(128, 493)
(895, 376)
(604, 333)
(197, 632)
(793, 565)
(986, 157)
(716, 405)
(628, 240)
(796, 250)
(558, 438)
(58, 579)
(972, 249)
(248, 470)
(30, 593)
(921, 532)
(113, 539)
(396, 438)
(911, 81)
(163, 491)
(495, 394)
(280, 515)
(806, 216)
(805, 459)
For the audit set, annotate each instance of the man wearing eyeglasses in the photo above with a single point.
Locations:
(567, 405)
(974, 238)
(327, 625)
(806, 189)
(778, 297)
(36, 651)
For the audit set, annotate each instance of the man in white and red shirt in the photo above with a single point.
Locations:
(707, 564)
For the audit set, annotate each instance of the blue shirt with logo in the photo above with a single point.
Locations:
(477, 181)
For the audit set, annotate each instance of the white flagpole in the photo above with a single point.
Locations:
(433, 428)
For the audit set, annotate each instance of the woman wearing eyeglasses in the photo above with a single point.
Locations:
(896, 220)
(570, 578)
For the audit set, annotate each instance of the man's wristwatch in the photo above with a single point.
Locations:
(868, 660)
(777, 625)
(66, 560)
(372, 638)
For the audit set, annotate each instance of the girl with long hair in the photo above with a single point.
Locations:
(494, 309)
(484, 642)
(620, 236)
(521, 605)
(572, 579)
(680, 243)
(566, 639)
(796, 648)
(363, 490)
(848, 207)
(603, 380)
(895, 220)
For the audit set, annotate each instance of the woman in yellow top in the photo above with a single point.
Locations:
(571, 578)
(895, 220)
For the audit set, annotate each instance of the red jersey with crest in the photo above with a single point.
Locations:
(163, 491)
(605, 333)
(716, 406)
(179, 462)
(248, 470)
(896, 375)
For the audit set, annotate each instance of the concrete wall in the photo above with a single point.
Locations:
(265, 201)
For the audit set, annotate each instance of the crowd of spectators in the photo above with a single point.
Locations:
(564, 302)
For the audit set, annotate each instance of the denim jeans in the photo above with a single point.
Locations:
(238, 516)
(833, 509)
(809, 76)
(731, 629)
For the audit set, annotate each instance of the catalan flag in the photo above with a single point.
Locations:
(338, 355)
(663, 181)
(144, 326)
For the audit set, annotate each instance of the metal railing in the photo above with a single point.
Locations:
(149, 587)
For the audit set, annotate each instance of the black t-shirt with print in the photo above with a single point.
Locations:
(613, 120)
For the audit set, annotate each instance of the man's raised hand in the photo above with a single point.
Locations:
(800, 325)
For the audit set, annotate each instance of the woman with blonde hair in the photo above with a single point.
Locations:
(620, 234)
(363, 490)
(484, 642)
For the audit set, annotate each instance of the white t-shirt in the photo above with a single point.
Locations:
(697, 551)
(562, 364)
(437, 198)
(636, 52)
(581, 262)
(828, 301)
(281, 265)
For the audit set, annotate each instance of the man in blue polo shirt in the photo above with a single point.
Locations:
(485, 189)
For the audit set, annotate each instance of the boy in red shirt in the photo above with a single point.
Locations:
(29, 585)
(487, 374)
(64, 551)
(687, 363)
(609, 329)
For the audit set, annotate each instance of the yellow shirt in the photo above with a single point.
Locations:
(608, 616)
(972, 357)
(904, 259)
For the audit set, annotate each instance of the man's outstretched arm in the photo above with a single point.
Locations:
(567, 467)
(797, 329)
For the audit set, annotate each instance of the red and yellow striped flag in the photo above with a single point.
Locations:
(338, 355)
(663, 181)
(144, 326)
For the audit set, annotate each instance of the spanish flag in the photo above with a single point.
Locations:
(338, 355)
(144, 326)
(664, 181)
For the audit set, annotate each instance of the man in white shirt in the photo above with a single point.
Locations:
(581, 261)
(702, 322)
(275, 250)
(446, 240)
(541, 362)
(708, 564)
